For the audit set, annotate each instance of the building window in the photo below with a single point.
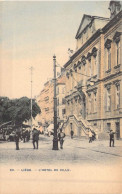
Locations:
(95, 102)
(118, 53)
(109, 58)
(116, 38)
(67, 74)
(108, 126)
(108, 99)
(89, 63)
(90, 104)
(117, 96)
(63, 111)
(108, 47)
(63, 100)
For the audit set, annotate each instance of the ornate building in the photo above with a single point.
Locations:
(61, 111)
(45, 102)
(94, 76)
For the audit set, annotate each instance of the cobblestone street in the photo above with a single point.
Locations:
(82, 164)
(75, 151)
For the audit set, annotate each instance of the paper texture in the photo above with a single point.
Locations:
(30, 35)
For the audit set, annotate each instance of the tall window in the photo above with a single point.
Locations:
(108, 99)
(63, 112)
(95, 65)
(90, 104)
(63, 100)
(118, 53)
(116, 38)
(108, 48)
(109, 58)
(95, 102)
(90, 68)
(108, 126)
(117, 95)
(89, 63)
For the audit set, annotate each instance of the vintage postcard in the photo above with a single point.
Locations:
(60, 97)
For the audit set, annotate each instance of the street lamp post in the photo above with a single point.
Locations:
(31, 96)
(55, 138)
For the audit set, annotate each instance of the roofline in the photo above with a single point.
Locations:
(92, 18)
(98, 32)
(84, 15)
(112, 22)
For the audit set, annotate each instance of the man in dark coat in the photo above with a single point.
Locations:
(112, 137)
(61, 136)
(16, 137)
(35, 136)
(72, 133)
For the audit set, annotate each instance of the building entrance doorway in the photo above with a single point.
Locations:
(84, 107)
(117, 130)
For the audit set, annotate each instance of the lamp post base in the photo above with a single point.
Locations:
(55, 144)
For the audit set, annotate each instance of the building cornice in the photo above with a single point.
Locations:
(111, 76)
(60, 84)
(92, 90)
(96, 35)
(109, 118)
(112, 22)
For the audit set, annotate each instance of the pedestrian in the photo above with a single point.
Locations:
(24, 136)
(93, 136)
(61, 136)
(72, 133)
(28, 135)
(90, 136)
(16, 137)
(111, 138)
(35, 136)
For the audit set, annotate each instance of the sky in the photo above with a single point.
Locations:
(31, 32)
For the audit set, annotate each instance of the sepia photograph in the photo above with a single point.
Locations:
(60, 97)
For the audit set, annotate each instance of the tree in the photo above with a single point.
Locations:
(17, 110)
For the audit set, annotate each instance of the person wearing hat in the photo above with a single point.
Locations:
(16, 137)
(35, 138)
(61, 136)
(90, 136)
(111, 138)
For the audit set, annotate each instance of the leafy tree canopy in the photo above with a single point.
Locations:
(17, 110)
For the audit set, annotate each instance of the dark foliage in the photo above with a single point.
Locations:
(17, 110)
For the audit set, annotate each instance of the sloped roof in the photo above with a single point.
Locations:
(86, 20)
(83, 24)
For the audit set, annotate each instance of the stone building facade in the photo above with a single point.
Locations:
(94, 76)
(45, 102)
(60, 94)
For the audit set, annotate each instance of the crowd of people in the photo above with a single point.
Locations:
(24, 135)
